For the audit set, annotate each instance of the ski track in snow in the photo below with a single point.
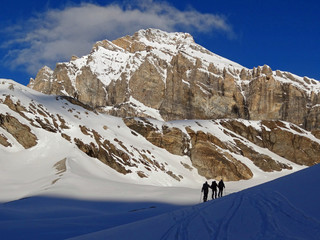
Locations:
(261, 213)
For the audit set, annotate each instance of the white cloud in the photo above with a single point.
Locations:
(56, 35)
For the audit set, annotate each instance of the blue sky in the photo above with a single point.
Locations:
(282, 34)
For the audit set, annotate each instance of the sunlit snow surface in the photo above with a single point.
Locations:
(86, 199)
(286, 208)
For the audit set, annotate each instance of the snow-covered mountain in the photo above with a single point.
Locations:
(178, 115)
(151, 150)
(59, 134)
(175, 78)
(53, 187)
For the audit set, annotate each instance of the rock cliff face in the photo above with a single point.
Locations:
(264, 121)
(21, 132)
(215, 158)
(233, 149)
(168, 76)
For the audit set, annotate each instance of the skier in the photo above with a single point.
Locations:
(214, 186)
(220, 186)
(205, 190)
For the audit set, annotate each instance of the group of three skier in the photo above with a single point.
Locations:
(214, 186)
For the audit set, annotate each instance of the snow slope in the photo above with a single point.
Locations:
(55, 191)
(286, 208)
(57, 167)
(39, 166)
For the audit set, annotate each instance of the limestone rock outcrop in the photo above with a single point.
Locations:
(171, 74)
(167, 76)
(21, 132)
(284, 139)
(215, 158)
(232, 149)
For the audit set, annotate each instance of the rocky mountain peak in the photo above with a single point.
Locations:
(168, 76)
(154, 36)
(145, 40)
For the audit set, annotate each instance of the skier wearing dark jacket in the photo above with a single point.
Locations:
(221, 186)
(205, 190)
(214, 186)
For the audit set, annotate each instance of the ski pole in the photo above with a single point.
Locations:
(200, 197)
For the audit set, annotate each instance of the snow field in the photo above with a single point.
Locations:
(55, 191)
